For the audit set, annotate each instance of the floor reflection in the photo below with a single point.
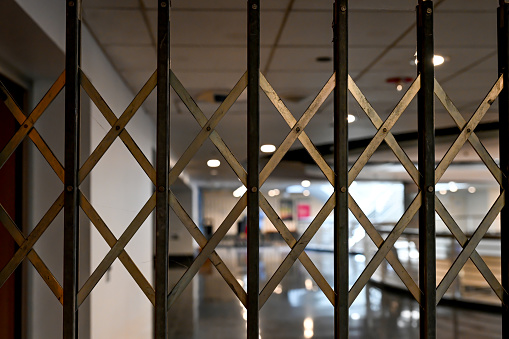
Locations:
(298, 309)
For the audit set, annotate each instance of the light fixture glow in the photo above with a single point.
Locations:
(471, 189)
(443, 192)
(267, 148)
(305, 183)
(308, 328)
(453, 187)
(399, 87)
(213, 163)
(273, 193)
(306, 193)
(239, 191)
(437, 60)
(351, 118)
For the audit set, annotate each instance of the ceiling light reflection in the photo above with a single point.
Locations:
(308, 327)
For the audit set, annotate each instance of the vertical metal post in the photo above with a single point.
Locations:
(253, 146)
(162, 169)
(503, 68)
(426, 144)
(341, 168)
(72, 147)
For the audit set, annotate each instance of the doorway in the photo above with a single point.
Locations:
(11, 188)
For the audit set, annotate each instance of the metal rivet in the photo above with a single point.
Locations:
(297, 129)
(161, 188)
(254, 189)
(469, 130)
(384, 130)
(208, 128)
(25, 125)
(429, 10)
(69, 188)
(117, 128)
(343, 8)
(431, 189)
(343, 189)
(163, 4)
(71, 3)
(254, 6)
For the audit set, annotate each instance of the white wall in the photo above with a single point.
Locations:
(119, 189)
(181, 242)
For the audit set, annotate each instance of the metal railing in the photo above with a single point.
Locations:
(425, 87)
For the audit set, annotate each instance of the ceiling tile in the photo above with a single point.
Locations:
(314, 28)
(216, 59)
(401, 5)
(96, 4)
(217, 28)
(132, 58)
(120, 27)
(304, 59)
(471, 5)
(465, 30)
(218, 4)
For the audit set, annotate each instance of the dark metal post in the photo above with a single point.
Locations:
(341, 168)
(426, 131)
(162, 169)
(72, 147)
(503, 68)
(253, 149)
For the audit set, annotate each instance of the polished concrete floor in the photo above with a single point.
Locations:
(298, 309)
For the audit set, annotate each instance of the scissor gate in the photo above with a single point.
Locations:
(425, 176)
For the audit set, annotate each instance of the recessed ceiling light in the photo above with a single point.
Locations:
(351, 118)
(323, 59)
(306, 193)
(453, 187)
(471, 189)
(305, 183)
(274, 192)
(267, 148)
(213, 163)
(437, 60)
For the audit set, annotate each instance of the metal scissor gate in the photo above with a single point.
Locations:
(426, 203)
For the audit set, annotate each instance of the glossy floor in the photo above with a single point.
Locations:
(298, 309)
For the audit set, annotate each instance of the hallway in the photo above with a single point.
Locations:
(298, 309)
